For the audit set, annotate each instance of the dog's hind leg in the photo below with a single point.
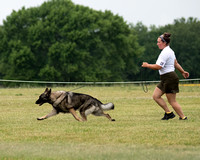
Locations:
(101, 113)
(52, 113)
(86, 110)
(84, 117)
(108, 116)
(73, 112)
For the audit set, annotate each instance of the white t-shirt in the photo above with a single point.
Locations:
(166, 60)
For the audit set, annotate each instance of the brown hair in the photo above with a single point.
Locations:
(165, 37)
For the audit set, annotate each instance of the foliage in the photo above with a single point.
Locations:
(60, 41)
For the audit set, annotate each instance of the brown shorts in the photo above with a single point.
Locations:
(169, 83)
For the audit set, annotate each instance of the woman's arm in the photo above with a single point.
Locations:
(151, 66)
(180, 69)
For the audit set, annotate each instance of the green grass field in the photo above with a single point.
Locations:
(137, 133)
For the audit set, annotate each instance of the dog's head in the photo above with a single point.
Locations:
(44, 97)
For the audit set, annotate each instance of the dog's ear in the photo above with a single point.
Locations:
(46, 90)
(49, 91)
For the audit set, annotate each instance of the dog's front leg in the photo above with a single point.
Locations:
(73, 112)
(52, 113)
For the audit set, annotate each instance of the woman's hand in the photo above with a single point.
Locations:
(145, 64)
(185, 74)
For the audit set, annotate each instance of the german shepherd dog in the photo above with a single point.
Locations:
(69, 102)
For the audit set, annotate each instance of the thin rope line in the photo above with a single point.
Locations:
(76, 88)
(144, 84)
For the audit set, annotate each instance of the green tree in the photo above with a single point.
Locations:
(147, 37)
(65, 42)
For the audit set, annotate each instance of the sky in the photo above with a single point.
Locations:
(149, 12)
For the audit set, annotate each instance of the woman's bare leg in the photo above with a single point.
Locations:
(157, 96)
(171, 97)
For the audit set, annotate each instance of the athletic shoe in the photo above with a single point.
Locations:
(168, 116)
(185, 118)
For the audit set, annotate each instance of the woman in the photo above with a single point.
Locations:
(166, 64)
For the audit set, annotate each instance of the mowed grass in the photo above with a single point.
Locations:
(137, 133)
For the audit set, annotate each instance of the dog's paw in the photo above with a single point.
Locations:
(39, 119)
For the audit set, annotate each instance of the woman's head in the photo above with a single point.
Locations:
(163, 40)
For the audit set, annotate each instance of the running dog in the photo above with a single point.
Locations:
(69, 102)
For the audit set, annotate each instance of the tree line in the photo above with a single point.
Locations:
(61, 41)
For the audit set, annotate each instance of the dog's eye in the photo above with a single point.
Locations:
(45, 97)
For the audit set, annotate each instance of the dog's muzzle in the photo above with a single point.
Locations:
(39, 103)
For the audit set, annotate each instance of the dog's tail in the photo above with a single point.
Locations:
(108, 106)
